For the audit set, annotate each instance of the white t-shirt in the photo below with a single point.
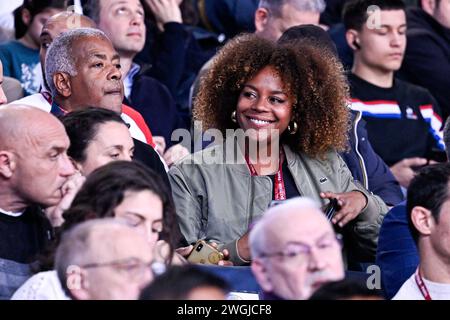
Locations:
(410, 290)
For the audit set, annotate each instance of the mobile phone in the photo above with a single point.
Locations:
(205, 253)
(331, 209)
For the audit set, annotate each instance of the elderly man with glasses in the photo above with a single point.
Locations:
(294, 251)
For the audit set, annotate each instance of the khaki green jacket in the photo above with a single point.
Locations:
(218, 202)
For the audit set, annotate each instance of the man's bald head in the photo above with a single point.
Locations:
(33, 157)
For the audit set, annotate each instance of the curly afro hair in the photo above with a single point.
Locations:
(314, 78)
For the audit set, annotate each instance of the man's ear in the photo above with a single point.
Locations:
(262, 276)
(422, 220)
(26, 17)
(352, 37)
(77, 283)
(262, 16)
(61, 80)
(429, 6)
(7, 164)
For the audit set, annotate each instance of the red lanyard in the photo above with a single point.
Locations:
(279, 189)
(421, 285)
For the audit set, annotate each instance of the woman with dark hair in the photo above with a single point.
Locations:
(97, 136)
(125, 190)
(286, 106)
(21, 57)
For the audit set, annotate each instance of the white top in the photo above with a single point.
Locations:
(41, 286)
(410, 290)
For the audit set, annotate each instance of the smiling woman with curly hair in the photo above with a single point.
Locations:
(289, 100)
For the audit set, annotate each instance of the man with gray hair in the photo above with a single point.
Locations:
(294, 251)
(273, 17)
(103, 259)
(55, 26)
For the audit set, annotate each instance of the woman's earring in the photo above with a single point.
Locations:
(233, 116)
(292, 128)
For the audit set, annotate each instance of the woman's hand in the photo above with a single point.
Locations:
(351, 203)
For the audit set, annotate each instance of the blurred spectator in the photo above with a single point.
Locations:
(365, 165)
(103, 260)
(35, 173)
(186, 283)
(83, 69)
(128, 192)
(346, 290)
(427, 57)
(175, 47)
(124, 24)
(295, 251)
(403, 121)
(21, 57)
(3, 99)
(429, 219)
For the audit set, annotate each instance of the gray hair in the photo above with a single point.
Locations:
(60, 56)
(75, 248)
(274, 6)
(259, 233)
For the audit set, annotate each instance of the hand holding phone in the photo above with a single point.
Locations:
(205, 253)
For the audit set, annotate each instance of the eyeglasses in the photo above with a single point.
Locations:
(302, 251)
(134, 268)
